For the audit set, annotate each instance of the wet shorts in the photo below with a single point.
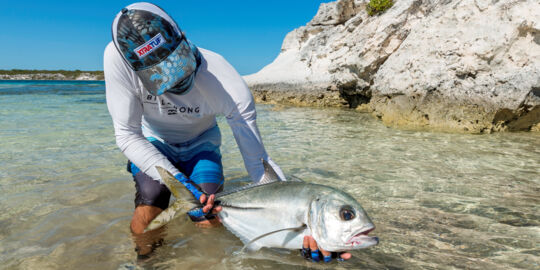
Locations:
(204, 168)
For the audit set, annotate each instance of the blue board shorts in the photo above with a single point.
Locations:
(199, 161)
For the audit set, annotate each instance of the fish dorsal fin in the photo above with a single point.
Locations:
(269, 174)
(295, 229)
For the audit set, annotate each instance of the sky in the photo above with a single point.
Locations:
(73, 34)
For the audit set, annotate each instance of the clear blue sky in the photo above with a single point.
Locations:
(72, 34)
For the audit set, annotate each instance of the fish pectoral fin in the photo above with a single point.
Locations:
(181, 193)
(296, 229)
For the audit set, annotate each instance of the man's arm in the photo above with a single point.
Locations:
(247, 136)
(229, 94)
(126, 111)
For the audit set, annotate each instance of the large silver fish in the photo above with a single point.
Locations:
(276, 213)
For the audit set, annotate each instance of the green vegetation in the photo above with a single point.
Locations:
(378, 6)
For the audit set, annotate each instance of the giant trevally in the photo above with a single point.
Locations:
(276, 213)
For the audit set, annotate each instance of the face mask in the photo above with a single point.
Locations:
(184, 86)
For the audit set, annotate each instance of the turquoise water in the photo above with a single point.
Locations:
(439, 201)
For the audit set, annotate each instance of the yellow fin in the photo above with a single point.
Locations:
(168, 180)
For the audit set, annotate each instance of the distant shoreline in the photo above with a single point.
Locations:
(53, 75)
(49, 80)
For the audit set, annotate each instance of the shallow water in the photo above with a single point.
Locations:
(439, 201)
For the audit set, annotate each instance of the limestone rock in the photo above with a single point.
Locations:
(456, 65)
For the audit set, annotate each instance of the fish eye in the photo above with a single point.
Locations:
(346, 213)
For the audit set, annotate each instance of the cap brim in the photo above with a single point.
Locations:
(172, 70)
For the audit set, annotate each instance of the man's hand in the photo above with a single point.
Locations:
(311, 251)
(198, 215)
(209, 206)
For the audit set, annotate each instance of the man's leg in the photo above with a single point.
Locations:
(151, 199)
(142, 216)
(145, 242)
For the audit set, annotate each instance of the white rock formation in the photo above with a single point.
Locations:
(86, 77)
(468, 65)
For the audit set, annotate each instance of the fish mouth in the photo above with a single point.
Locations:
(363, 240)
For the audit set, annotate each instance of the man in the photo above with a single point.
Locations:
(163, 94)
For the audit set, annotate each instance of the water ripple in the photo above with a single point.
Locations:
(439, 200)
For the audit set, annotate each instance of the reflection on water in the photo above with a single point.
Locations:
(438, 200)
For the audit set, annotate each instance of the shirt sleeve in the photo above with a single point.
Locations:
(248, 138)
(238, 107)
(126, 110)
